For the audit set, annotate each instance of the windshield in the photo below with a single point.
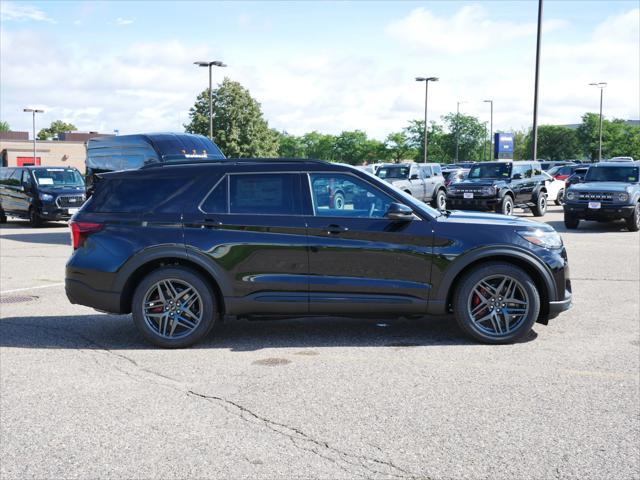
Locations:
(58, 177)
(613, 174)
(399, 171)
(491, 170)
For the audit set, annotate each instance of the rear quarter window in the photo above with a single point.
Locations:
(143, 195)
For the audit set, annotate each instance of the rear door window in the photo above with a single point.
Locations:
(140, 195)
(265, 194)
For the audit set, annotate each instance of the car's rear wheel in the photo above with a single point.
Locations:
(560, 197)
(440, 201)
(633, 222)
(34, 219)
(571, 222)
(540, 208)
(3, 217)
(338, 201)
(505, 206)
(496, 303)
(174, 307)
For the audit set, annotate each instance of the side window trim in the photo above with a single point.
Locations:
(225, 178)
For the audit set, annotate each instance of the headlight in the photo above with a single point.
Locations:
(571, 195)
(542, 238)
(623, 197)
(488, 190)
(45, 197)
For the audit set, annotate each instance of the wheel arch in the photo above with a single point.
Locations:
(137, 268)
(541, 276)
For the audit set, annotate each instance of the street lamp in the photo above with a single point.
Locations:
(426, 81)
(601, 86)
(458, 128)
(33, 111)
(535, 87)
(491, 134)
(215, 63)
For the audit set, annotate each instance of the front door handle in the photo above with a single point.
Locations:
(336, 229)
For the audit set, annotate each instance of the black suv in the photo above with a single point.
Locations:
(40, 194)
(501, 186)
(182, 245)
(609, 191)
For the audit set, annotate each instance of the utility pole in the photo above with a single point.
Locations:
(535, 92)
(426, 81)
(33, 111)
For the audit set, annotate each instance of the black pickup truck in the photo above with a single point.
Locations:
(501, 186)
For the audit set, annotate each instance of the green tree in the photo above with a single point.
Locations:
(318, 145)
(4, 126)
(56, 128)
(239, 128)
(555, 142)
(467, 132)
(435, 136)
(354, 147)
(291, 146)
(398, 147)
(520, 151)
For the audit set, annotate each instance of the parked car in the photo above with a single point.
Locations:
(371, 168)
(610, 191)
(182, 246)
(40, 193)
(454, 175)
(459, 165)
(126, 152)
(548, 165)
(501, 186)
(563, 172)
(576, 177)
(555, 189)
(421, 180)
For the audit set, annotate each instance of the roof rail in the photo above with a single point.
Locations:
(189, 161)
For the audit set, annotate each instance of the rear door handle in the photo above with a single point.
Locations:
(336, 229)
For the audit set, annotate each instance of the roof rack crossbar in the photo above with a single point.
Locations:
(188, 161)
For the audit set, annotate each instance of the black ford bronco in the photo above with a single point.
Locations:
(501, 186)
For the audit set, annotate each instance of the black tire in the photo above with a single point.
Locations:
(408, 192)
(570, 221)
(338, 201)
(464, 295)
(505, 206)
(540, 208)
(34, 219)
(633, 222)
(560, 197)
(440, 200)
(207, 306)
(3, 217)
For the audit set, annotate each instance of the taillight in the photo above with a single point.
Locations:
(561, 177)
(81, 230)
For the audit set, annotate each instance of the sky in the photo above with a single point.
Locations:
(325, 66)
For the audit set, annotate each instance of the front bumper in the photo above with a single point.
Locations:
(605, 212)
(556, 308)
(53, 213)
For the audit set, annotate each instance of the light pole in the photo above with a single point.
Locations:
(426, 81)
(33, 111)
(535, 89)
(458, 128)
(215, 63)
(601, 86)
(491, 134)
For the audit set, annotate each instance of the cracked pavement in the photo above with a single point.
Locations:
(82, 396)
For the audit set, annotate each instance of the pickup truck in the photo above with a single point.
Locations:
(421, 180)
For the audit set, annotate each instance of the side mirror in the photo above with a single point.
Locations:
(398, 211)
(517, 176)
(414, 176)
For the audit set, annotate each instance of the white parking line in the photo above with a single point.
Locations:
(30, 288)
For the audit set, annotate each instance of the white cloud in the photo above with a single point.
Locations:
(121, 22)
(469, 29)
(12, 11)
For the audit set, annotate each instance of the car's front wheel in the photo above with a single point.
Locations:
(633, 222)
(174, 307)
(560, 197)
(540, 208)
(505, 206)
(34, 219)
(496, 303)
(440, 202)
(570, 221)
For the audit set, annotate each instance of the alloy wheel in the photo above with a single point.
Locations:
(498, 305)
(172, 308)
(442, 201)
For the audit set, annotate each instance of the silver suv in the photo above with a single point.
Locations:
(423, 181)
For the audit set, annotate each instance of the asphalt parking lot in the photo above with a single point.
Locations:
(82, 396)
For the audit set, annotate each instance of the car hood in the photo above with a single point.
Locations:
(479, 182)
(600, 187)
(480, 218)
(62, 191)
(395, 180)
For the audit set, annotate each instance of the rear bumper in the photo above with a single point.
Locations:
(80, 293)
(605, 212)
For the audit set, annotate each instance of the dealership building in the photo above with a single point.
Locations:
(70, 150)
